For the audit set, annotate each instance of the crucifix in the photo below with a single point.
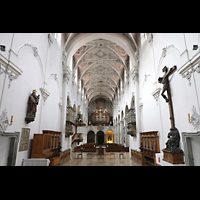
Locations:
(165, 81)
(174, 136)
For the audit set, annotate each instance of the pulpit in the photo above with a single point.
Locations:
(70, 118)
(131, 127)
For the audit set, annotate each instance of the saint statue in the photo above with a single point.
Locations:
(33, 101)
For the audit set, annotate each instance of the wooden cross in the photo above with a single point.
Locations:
(166, 87)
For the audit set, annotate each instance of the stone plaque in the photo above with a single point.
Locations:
(23, 146)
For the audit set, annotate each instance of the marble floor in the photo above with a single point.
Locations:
(108, 159)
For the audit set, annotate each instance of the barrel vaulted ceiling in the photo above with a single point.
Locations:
(102, 67)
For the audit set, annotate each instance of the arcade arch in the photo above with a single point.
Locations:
(110, 137)
(100, 140)
(91, 137)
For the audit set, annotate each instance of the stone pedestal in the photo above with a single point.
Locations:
(174, 158)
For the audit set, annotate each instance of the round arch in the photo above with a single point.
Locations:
(100, 138)
(118, 118)
(90, 137)
(109, 137)
(126, 111)
(122, 115)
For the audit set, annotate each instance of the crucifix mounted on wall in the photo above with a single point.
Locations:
(172, 152)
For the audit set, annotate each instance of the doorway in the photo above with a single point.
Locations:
(100, 138)
(90, 137)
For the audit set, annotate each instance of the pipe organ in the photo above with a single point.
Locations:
(100, 117)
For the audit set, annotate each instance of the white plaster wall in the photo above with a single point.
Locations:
(154, 114)
(36, 74)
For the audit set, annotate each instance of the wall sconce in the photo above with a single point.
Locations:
(190, 120)
(194, 119)
(11, 121)
(4, 123)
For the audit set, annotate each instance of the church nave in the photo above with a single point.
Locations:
(133, 93)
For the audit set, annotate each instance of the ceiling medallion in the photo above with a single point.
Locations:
(100, 54)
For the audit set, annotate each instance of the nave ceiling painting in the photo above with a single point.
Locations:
(103, 67)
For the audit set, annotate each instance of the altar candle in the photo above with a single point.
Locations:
(189, 116)
(11, 118)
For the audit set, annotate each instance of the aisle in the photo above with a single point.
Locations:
(109, 159)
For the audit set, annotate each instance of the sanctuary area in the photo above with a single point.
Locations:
(86, 99)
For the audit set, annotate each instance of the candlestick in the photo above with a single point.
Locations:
(11, 119)
(189, 116)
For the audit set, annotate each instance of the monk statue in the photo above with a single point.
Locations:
(33, 101)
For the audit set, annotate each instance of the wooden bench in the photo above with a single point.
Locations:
(88, 147)
(113, 147)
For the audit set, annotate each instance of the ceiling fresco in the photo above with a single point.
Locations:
(101, 66)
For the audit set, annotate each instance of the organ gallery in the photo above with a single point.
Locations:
(100, 117)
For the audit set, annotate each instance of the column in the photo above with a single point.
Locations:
(121, 132)
(118, 132)
(114, 133)
(66, 78)
(126, 135)
(135, 77)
